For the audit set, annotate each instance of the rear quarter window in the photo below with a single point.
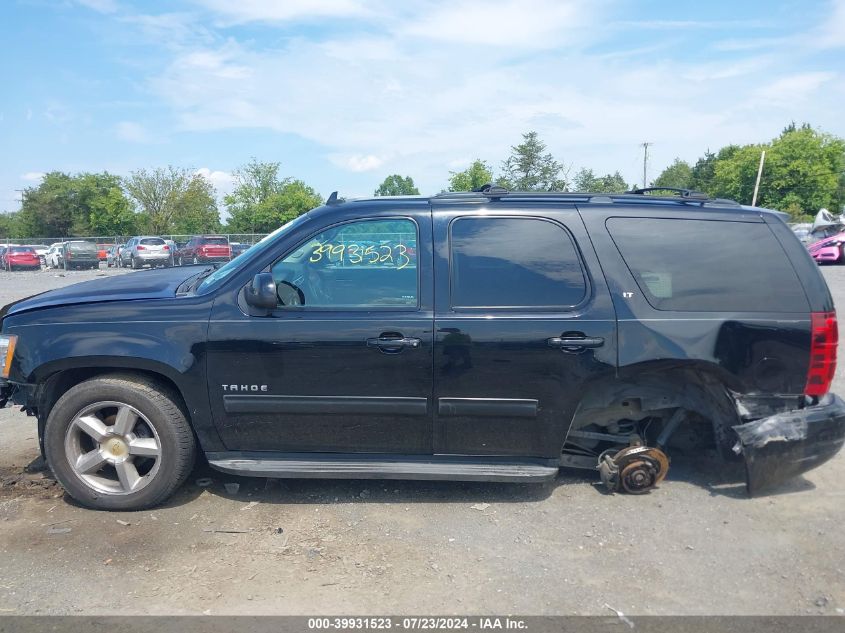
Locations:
(708, 265)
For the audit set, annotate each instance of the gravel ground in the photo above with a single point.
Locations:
(697, 545)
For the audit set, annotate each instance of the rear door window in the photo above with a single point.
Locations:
(514, 263)
(708, 265)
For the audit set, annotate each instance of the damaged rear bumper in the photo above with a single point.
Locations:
(781, 446)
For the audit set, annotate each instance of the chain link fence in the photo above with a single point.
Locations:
(239, 243)
(107, 241)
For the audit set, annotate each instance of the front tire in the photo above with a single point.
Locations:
(134, 264)
(119, 442)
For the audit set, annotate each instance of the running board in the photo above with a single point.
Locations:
(372, 466)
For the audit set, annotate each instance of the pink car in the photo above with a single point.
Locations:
(830, 249)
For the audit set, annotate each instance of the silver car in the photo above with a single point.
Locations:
(146, 250)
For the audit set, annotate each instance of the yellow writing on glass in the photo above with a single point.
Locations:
(355, 254)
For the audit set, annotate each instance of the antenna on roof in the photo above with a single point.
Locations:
(332, 199)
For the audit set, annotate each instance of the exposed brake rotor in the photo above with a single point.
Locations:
(634, 469)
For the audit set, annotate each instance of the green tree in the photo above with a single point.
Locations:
(804, 171)
(531, 168)
(473, 177)
(586, 180)
(48, 208)
(396, 185)
(262, 201)
(171, 198)
(677, 175)
(9, 224)
(806, 168)
(196, 208)
(64, 205)
(103, 208)
(701, 175)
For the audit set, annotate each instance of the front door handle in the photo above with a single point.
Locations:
(393, 344)
(575, 344)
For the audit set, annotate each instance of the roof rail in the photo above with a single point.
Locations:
(492, 191)
(683, 193)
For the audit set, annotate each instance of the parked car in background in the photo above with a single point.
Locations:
(830, 250)
(80, 254)
(102, 251)
(238, 248)
(145, 250)
(41, 251)
(202, 249)
(112, 256)
(53, 257)
(21, 258)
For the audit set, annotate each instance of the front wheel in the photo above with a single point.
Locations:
(119, 442)
(134, 264)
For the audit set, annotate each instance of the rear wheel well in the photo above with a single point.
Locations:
(642, 404)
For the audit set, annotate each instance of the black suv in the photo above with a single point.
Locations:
(480, 336)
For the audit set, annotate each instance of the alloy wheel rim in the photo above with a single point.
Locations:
(113, 448)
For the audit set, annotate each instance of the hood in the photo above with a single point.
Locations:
(153, 284)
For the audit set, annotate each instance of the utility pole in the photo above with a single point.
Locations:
(645, 163)
(759, 174)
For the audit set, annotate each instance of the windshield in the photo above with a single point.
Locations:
(221, 273)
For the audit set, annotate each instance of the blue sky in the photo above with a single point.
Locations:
(344, 92)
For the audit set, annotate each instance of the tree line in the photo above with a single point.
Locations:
(804, 171)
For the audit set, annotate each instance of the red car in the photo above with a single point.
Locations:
(21, 257)
(204, 248)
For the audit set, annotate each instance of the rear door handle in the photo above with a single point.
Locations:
(575, 344)
(393, 344)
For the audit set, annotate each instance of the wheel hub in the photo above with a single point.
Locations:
(634, 469)
(116, 448)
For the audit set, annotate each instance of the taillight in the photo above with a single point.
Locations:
(823, 342)
(165, 247)
(140, 248)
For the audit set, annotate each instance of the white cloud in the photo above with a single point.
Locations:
(793, 88)
(223, 181)
(832, 32)
(508, 23)
(357, 162)
(33, 176)
(132, 132)
(282, 10)
(101, 6)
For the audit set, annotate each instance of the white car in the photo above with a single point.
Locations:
(53, 257)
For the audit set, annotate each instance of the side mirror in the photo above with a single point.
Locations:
(262, 292)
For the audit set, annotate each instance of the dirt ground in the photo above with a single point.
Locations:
(695, 546)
